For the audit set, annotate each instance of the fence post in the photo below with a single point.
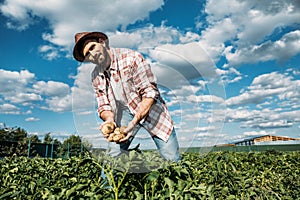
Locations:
(68, 150)
(52, 149)
(46, 153)
(28, 153)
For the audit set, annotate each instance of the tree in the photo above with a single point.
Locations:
(73, 146)
(20, 134)
(48, 139)
(34, 139)
(14, 141)
(14, 134)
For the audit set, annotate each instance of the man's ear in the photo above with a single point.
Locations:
(105, 42)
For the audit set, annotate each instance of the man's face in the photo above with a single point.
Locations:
(97, 53)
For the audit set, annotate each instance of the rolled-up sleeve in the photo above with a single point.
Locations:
(144, 79)
(99, 85)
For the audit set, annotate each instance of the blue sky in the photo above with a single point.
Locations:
(228, 70)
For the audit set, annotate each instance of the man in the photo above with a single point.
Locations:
(127, 93)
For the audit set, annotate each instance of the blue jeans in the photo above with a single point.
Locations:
(168, 150)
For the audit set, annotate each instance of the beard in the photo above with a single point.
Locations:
(103, 60)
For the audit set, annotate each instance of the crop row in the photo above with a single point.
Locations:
(218, 175)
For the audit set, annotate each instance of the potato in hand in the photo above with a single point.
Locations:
(108, 128)
(117, 134)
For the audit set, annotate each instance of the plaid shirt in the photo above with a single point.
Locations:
(138, 82)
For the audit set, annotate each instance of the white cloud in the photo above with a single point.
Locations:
(190, 60)
(254, 20)
(205, 129)
(246, 26)
(13, 80)
(290, 116)
(275, 124)
(31, 119)
(193, 116)
(9, 109)
(238, 115)
(51, 88)
(253, 96)
(280, 50)
(49, 52)
(213, 38)
(205, 98)
(83, 97)
(230, 75)
(266, 86)
(272, 80)
(59, 104)
(238, 28)
(58, 95)
(257, 133)
(23, 89)
(185, 89)
(146, 38)
(264, 19)
(70, 16)
(24, 98)
(268, 118)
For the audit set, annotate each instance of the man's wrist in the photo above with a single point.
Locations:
(107, 116)
(135, 121)
(109, 119)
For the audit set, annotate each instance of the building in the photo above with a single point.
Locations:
(263, 139)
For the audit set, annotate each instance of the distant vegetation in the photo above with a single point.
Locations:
(15, 141)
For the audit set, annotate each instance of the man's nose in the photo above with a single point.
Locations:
(92, 52)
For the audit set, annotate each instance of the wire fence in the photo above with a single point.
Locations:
(67, 150)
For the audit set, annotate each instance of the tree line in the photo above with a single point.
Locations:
(16, 141)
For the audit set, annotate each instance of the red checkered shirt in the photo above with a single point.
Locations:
(138, 82)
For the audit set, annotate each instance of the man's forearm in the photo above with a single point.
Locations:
(107, 115)
(143, 110)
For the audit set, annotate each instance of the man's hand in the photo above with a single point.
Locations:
(143, 110)
(104, 125)
(128, 132)
(108, 117)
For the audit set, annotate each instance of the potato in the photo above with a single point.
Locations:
(118, 137)
(117, 130)
(111, 137)
(122, 128)
(113, 134)
(108, 128)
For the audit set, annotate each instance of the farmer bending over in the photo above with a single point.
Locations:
(127, 93)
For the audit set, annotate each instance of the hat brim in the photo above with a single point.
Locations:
(77, 51)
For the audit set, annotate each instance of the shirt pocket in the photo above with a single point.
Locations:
(100, 85)
(129, 84)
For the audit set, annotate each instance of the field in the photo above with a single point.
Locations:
(217, 175)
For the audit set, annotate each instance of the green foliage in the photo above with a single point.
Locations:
(14, 141)
(34, 139)
(48, 139)
(13, 134)
(219, 175)
(73, 146)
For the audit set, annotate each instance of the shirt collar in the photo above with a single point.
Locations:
(113, 66)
